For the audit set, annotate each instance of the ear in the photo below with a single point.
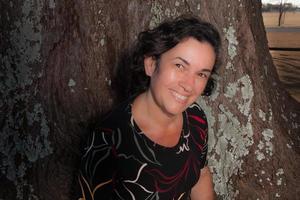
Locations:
(149, 64)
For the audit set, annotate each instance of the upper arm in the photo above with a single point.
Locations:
(203, 190)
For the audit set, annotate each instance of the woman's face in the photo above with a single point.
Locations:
(181, 75)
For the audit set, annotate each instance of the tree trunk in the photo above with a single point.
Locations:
(281, 11)
(57, 58)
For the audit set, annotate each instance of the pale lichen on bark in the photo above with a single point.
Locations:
(265, 146)
(72, 85)
(247, 93)
(232, 45)
(25, 131)
(159, 12)
(228, 146)
(232, 140)
(216, 90)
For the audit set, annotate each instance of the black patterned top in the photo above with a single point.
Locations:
(120, 162)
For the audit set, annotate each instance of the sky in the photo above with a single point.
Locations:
(295, 2)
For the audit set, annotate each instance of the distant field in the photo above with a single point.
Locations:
(289, 19)
(287, 62)
(284, 39)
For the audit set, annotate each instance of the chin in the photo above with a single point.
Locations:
(177, 110)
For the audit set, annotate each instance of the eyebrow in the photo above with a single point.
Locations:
(187, 63)
(183, 60)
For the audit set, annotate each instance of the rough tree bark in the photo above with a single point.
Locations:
(57, 58)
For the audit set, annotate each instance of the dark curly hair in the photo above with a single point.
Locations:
(130, 77)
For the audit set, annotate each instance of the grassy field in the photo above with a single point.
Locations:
(287, 62)
(284, 39)
(289, 19)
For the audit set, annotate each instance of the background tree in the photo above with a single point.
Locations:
(282, 8)
(282, 11)
(57, 59)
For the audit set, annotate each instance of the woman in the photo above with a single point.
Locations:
(154, 144)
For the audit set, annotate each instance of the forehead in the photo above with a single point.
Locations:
(193, 51)
(191, 42)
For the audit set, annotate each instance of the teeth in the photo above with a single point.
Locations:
(181, 97)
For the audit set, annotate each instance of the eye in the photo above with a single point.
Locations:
(203, 75)
(179, 66)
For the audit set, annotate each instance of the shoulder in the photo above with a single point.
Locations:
(108, 128)
(198, 126)
(116, 118)
(196, 114)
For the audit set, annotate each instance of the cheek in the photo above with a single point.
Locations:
(166, 77)
(172, 76)
(200, 86)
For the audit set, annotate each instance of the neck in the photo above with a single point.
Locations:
(156, 124)
(154, 113)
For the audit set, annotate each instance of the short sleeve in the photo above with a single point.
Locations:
(199, 129)
(98, 166)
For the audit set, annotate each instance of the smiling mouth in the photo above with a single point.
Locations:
(179, 97)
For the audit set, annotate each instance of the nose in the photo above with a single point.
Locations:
(187, 82)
